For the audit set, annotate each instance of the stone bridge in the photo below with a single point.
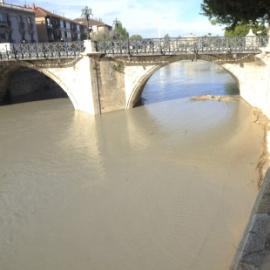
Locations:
(109, 76)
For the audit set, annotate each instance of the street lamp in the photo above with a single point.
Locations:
(86, 13)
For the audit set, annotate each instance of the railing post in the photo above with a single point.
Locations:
(43, 50)
(21, 50)
(128, 47)
(195, 48)
(66, 48)
(29, 53)
(36, 50)
(59, 53)
(51, 51)
(14, 51)
(7, 52)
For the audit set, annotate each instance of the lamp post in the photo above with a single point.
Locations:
(86, 13)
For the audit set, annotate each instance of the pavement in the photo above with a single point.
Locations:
(254, 249)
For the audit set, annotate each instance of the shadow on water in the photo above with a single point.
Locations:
(187, 79)
(30, 85)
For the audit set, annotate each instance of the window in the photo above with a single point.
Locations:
(68, 25)
(54, 23)
(2, 36)
(78, 27)
(3, 18)
(49, 23)
(68, 35)
(61, 23)
(20, 20)
(29, 21)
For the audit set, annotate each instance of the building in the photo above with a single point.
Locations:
(52, 27)
(17, 24)
(98, 28)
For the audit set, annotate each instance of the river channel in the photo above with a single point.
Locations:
(167, 185)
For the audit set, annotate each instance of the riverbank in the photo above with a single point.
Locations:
(253, 252)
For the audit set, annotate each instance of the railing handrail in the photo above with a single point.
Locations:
(34, 51)
(181, 45)
(149, 46)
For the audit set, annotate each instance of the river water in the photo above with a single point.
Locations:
(167, 185)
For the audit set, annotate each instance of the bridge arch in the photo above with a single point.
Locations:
(10, 70)
(138, 87)
(61, 83)
(52, 75)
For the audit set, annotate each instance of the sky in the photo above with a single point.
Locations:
(148, 18)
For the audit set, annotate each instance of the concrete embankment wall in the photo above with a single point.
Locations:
(254, 248)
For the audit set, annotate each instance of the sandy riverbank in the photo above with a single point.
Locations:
(254, 249)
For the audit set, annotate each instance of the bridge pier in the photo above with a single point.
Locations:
(253, 78)
(121, 82)
(78, 78)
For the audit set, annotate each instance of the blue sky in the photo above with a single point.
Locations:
(149, 18)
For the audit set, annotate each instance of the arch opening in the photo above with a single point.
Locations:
(25, 84)
(186, 78)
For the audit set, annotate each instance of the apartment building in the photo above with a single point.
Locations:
(52, 27)
(17, 24)
(98, 28)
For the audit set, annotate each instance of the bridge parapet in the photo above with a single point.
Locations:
(39, 51)
(153, 46)
(176, 46)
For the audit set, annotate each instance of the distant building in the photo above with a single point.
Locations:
(98, 27)
(17, 24)
(52, 27)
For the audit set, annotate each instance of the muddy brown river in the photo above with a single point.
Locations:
(169, 185)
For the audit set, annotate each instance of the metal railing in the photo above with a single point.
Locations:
(35, 51)
(153, 46)
(172, 46)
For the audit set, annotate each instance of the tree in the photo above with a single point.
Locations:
(119, 31)
(135, 37)
(242, 29)
(167, 36)
(230, 12)
(166, 41)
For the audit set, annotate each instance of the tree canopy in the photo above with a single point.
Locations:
(135, 37)
(232, 12)
(242, 29)
(120, 32)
